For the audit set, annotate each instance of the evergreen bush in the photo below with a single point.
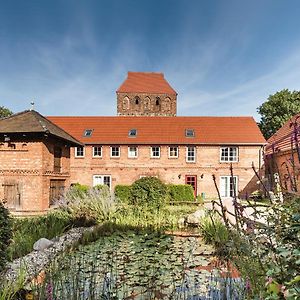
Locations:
(148, 191)
(5, 234)
(180, 192)
(123, 193)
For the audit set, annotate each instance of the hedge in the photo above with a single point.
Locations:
(180, 192)
(123, 193)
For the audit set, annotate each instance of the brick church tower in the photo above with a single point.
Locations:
(146, 94)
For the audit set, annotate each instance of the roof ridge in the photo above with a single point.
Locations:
(36, 115)
(15, 114)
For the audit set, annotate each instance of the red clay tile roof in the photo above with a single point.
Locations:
(281, 140)
(142, 82)
(30, 121)
(163, 130)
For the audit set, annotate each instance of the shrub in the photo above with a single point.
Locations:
(88, 208)
(180, 192)
(123, 193)
(148, 191)
(5, 234)
(79, 190)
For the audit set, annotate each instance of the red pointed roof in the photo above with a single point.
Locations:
(143, 82)
(163, 130)
(281, 140)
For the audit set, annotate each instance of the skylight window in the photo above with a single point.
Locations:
(190, 133)
(132, 133)
(88, 132)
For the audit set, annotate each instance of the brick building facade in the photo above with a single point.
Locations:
(41, 157)
(155, 142)
(34, 162)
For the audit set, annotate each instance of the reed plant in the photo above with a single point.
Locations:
(27, 230)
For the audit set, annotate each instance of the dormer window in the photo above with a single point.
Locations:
(190, 133)
(132, 133)
(88, 132)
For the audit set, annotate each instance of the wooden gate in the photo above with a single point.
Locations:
(11, 194)
(57, 188)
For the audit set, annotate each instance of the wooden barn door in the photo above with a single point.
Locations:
(11, 194)
(57, 188)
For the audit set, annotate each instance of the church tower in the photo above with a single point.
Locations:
(146, 94)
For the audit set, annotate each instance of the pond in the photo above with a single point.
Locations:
(130, 265)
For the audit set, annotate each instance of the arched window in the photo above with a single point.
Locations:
(137, 100)
(147, 103)
(125, 103)
(157, 102)
(167, 103)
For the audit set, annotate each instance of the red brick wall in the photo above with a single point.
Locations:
(281, 162)
(126, 170)
(29, 164)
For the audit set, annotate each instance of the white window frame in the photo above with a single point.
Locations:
(187, 154)
(111, 151)
(169, 152)
(228, 157)
(94, 151)
(103, 179)
(76, 153)
(151, 152)
(136, 152)
(225, 191)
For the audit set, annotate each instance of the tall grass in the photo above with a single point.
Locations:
(26, 231)
(144, 217)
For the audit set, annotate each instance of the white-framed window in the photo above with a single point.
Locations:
(132, 151)
(102, 179)
(115, 151)
(190, 153)
(97, 151)
(173, 151)
(229, 154)
(79, 151)
(155, 152)
(227, 186)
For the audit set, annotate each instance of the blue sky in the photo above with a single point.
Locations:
(222, 57)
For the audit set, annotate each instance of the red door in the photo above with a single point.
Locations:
(192, 180)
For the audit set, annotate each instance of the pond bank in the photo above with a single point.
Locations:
(36, 261)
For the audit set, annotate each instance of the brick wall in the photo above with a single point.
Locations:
(147, 104)
(126, 170)
(26, 168)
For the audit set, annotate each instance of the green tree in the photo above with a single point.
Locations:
(5, 112)
(278, 109)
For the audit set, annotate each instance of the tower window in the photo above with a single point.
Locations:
(157, 102)
(137, 100)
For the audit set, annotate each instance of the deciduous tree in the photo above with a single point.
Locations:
(5, 112)
(278, 109)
